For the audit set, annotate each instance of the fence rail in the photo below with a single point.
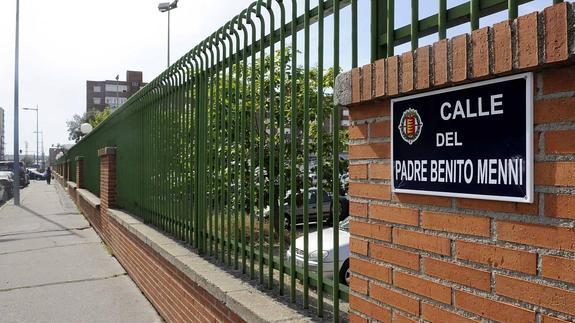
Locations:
(237, 143)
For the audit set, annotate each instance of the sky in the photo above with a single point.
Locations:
(63, 43)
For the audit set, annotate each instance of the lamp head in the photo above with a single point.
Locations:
(85, 128)
(164, 6)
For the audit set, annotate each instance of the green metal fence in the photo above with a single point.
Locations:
(209, 150)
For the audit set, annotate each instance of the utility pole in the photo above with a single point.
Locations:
(16, 108)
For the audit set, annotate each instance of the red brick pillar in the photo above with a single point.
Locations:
(79, 171)
(107, 186)
(67, 177)
(451, 259)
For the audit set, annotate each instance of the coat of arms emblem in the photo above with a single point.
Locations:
(410, 125)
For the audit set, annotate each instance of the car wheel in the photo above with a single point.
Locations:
(345, 273)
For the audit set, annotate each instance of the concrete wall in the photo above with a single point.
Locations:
(443, 259)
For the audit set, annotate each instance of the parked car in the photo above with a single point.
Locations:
(36, 175)
(326, 208)
(326, 253)
(313, 210)
(6, 185)
(8, 166)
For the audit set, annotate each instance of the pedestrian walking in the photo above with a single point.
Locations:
(48, 175)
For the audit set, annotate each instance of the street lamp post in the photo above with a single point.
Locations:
(163, 7)
(117, 90)
(43, 161)
(37, 139)
(16, 130)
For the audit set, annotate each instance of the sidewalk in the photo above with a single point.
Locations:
(54, 267)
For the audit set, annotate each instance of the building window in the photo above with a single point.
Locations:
(345, 112)
(97, 89)
(135, 84)
(345, 123)
(112, 102)
(97, 100)
(116, 88)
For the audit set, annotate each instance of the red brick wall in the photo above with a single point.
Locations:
(91, 213)
(107, 188)
(79, 172)
(173, 294)
(449, 259)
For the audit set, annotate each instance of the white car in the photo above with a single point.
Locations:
(326, 253)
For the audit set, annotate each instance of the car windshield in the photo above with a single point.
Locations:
(6, 167)
(344, 224)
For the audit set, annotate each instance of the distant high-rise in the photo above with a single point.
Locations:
(112, 93)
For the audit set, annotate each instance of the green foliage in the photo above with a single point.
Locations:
(99, 116)
(234, 102)
(93, 118)
(73, 126)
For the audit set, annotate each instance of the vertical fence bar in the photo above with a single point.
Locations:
(281, 161)
(306, 159)
(253, 122)
(441, 19)
(177, 139)
(293, 153)
(222, 153)
(202, 138)
(197, 152)
(261, 140)
(319, 168)
(353, 33)
(512, 8)
(229, 158)
(156, 152)
(212, 154)
(390, 28)
(382, 25)
(414, 24)
(172, 183)
(243, 140)
(374, 35)
(474, 14)
(163, 135)
(335, 172)
(217, 134)
(166, 178)
(195, 195)
(236, 141)
(189, 150)
(272, 149)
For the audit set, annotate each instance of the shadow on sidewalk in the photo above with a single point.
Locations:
(48, 220)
